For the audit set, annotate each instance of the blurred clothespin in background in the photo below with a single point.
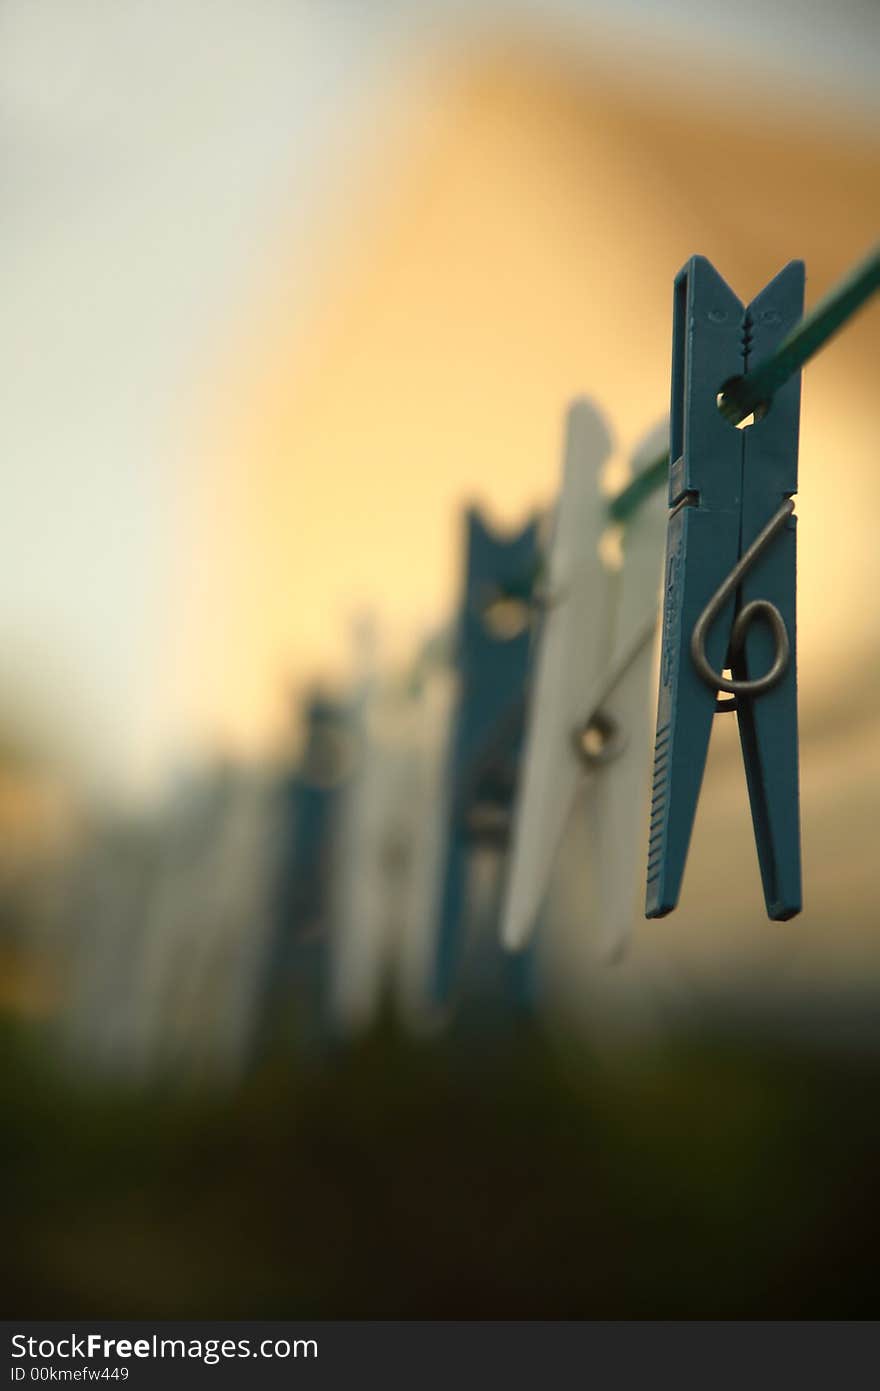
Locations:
(492, 661)
(376, 845)
(309, 800)
(730, 562)
(590, 704)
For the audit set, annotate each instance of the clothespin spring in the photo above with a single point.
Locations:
(758, 608)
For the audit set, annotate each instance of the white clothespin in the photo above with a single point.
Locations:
(590, 708)
(387, 844)
(166, 977)
(373, 864)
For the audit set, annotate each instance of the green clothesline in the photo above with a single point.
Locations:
(758, 386)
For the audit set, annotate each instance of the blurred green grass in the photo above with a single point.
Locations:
(490, 1174)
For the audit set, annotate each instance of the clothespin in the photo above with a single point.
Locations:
(208, 923)
(309, 805)
(430, 688)
(730, 561)
(312, 796)
(492, 649)
(590, 704)
(376, 858)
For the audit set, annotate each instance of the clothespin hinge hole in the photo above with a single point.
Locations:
(726, 401)
(506, 616)
(599, 740)
(611, 547)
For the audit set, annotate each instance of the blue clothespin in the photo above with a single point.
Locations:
(729, 582)
(311, 797)
(492, 650)
(309, 803)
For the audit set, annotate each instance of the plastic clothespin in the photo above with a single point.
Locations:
(492, 649)
(309, 800)
(414, 955)
(376, 858)
(591, 705)
(729, 581)
(312, 796)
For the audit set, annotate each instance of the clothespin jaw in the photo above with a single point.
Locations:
(494, 631)
(493, 643)
(726, 487)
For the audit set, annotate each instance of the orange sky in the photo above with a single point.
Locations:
(515, 246)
